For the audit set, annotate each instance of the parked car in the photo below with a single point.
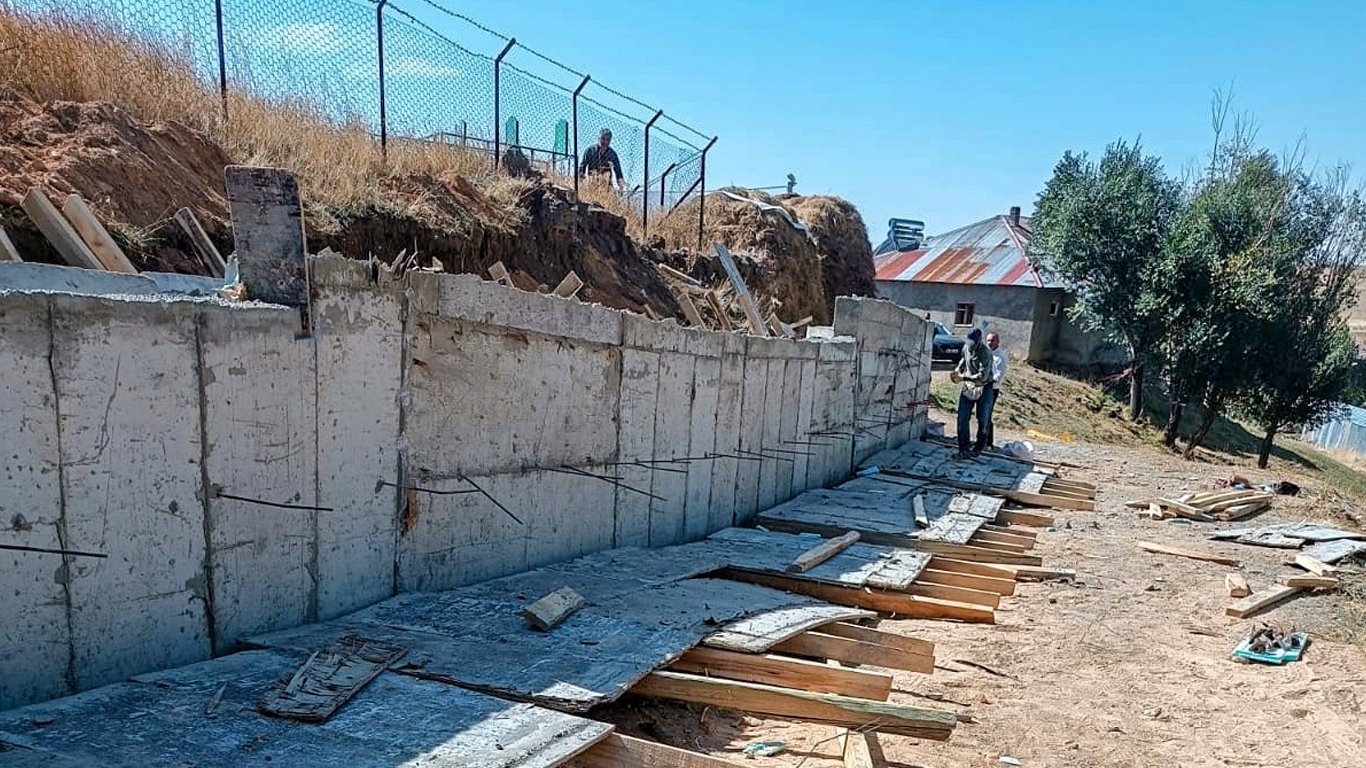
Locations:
(946, 345)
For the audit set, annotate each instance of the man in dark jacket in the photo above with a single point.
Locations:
(974, 372)
(601, 158)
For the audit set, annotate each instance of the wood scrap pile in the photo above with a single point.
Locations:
(728, 306)
(1207, 506)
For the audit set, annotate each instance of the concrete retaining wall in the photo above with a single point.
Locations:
(240, 477)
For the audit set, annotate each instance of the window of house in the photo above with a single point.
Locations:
(1054, 308)
(963, 315)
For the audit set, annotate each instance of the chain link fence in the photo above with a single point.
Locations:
(405, 70)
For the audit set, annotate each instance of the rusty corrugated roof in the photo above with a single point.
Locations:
(990, 252)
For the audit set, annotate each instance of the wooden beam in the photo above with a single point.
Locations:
(979, 554)
(967, 581)
(690, 310)
(569, 286)
(956, 594)
(96, 237)
(892, 603)
(877, 637)
(976, 540)
(801, 706)
(822, 552)
(850, 651)
(756, 320)
(1310, 582)
(1022, 517)
(1314, 565)
(1028, 573)
(499, 273)
(786, 672)
(722, 316)
(1047, 500)
(57, 230)
(621, 751)
(7, 250)
(855, 749)
(942, 563)
(547, 613)
(199, 240)
(1149, 546)
(1259, 601)
(1237, 585)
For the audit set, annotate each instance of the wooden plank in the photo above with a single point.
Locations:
(855, 748)
(802, 706)
(918, 505)
(268, 232)
(545, 614)
(1029, 573)
(57, 230)
(621, 751)
(1237, 585)
(967, 581)
(786, 672)
(941, 563)
(499, 273)
(1048, 500)
(752, 314)
(877, 637)
(850, 651)
(822, 552)
(1149, 546)
(956, 594)
(722, 316)
(954, 528)
(7, 250)
(569, 286)
(1310, 582)
(199, 240)
(329, 679)
(1314, 566)
(979, 554)
(892, 603)
(1259, 601)
(1023, 517)
(96, 237)
(690, 310)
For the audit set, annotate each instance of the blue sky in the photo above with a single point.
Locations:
(953, 111)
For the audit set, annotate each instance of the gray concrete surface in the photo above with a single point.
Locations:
(242, 478)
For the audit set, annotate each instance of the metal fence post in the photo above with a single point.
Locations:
(575, 102)
(702, 197)
(645, 192)
(222, 62)
(497, 98)
(662, 177)
(383, 106)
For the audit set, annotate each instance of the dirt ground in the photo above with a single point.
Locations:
(1127, 666)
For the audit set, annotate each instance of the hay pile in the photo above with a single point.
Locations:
(842, 241)
(803, 274)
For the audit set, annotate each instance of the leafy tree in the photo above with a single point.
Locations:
(1099, 228)
(1302, 364)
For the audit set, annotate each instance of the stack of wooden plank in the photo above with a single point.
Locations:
(1207, 506)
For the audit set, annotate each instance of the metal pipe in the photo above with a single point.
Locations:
(383, 107)
(702, 199)
(497, 98)
(645, 197)
(575, 102)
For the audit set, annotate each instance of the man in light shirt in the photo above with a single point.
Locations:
(998, 375)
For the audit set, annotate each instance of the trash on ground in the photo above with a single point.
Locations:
(1270, 644)
(764, 748)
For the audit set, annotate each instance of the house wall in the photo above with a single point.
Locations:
(1076, 346)
(1008, 310)
(238, 477)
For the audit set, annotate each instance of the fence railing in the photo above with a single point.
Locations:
(384, 64)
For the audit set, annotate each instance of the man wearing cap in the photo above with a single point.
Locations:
(974, 373)
(602, 159)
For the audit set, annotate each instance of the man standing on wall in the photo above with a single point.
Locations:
(993, 392)
(601, 159)
(974, 373)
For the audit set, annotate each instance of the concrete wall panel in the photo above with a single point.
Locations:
(673, 433)
(702, 441)
(727, 441)
(636, 442)
(260, 431)
(753, 395)
(35, 644)
(128, 384)
(359, 338)
(771, 436)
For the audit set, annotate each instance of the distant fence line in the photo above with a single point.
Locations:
(376, 63)
(1346, 432)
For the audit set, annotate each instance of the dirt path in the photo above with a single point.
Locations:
(1128, 666)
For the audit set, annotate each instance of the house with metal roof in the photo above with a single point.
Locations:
(981, 276)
